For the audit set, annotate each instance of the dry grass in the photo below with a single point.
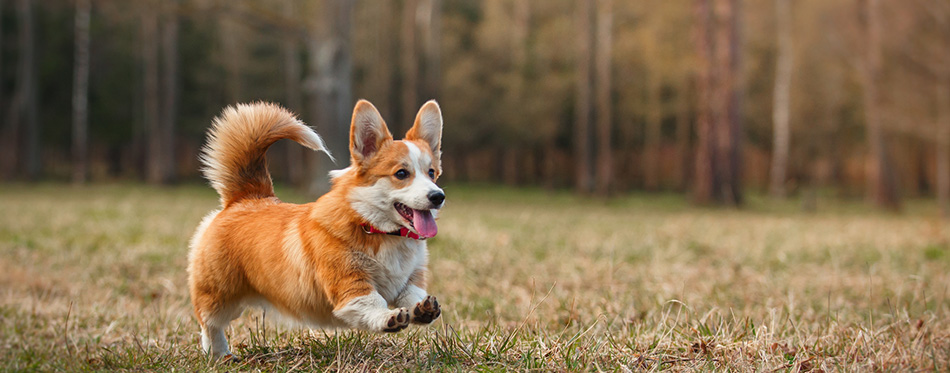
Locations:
(94, 279)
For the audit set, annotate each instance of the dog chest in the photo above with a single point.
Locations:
(395, 262)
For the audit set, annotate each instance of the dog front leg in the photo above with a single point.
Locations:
(370, 312)
(410, 296)
(425, 308)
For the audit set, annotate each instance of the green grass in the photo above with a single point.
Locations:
(93, 278)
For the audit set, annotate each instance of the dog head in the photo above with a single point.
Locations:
(392, 183)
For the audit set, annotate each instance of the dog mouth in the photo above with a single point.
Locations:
(405, 212)
(420, 221)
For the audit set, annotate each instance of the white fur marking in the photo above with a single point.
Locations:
(200, 231)
(414, 153)
(368, 312)
(337, 173)
(313, 141)
(375, 204)
(410, 296)
(398, 259)
(214, 341)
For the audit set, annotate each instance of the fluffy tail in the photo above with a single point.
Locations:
(233, 159)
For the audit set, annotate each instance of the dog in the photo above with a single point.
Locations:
(354, 258)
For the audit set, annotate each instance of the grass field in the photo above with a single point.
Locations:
(94, 279)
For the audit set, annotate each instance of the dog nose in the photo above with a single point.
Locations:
(436, 197)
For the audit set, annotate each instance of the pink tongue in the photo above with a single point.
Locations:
(424, 223)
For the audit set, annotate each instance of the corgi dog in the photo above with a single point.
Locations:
(356, 257)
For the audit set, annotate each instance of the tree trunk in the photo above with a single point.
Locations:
(683, 137)
(781, 100)
(382, 68)
(80, 133)
(24, 106)
(882, 186)
(549, 163)
(293, 154)
(705, 186)
(169, 90)
(509, 158)
(943, 170)
(719, 124)
(921, 183)
(943, 146)
(653, 135)
(154, 160)
(1, 74)
(603, 98)
(830, 136)
(410, 67)
(331, 86)
(729, 121)
(7, 145)
(432, 30)
(582, 140)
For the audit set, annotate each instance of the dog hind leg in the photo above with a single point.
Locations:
(213, 325)
(214, 341)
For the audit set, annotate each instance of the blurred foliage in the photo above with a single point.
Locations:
(504, 75)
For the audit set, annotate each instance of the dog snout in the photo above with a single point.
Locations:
(436, 197)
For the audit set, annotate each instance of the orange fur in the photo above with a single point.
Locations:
(306, 261)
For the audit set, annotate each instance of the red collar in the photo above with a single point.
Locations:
(404, 232)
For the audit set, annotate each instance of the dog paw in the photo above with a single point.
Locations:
(398, 321)
(426, 311)
(231, 359)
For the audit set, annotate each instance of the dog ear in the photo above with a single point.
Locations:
(368, 132)
(428, 127)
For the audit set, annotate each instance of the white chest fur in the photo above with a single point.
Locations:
(397, 260)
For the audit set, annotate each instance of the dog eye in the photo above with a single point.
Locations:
(402, 174)
(431, 173)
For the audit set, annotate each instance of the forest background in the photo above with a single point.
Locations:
(713, 98)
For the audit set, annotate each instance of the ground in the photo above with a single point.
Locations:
(93, 278)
